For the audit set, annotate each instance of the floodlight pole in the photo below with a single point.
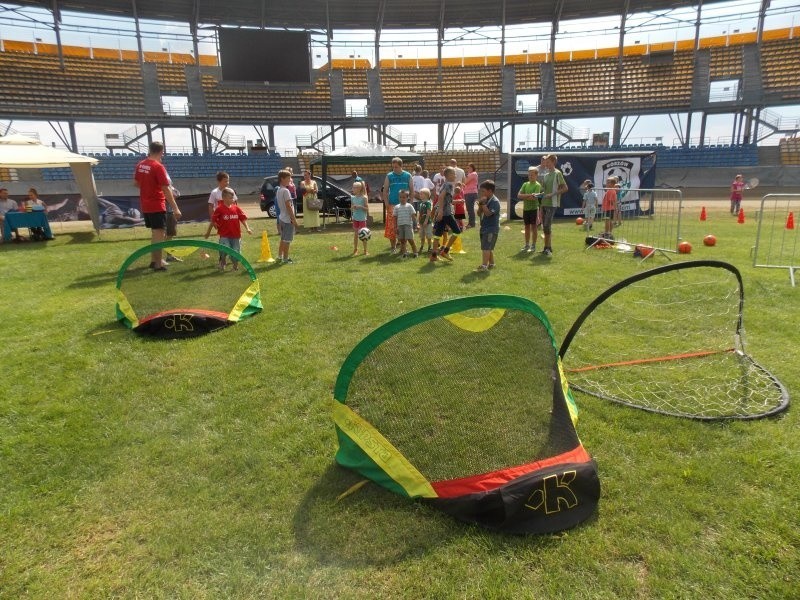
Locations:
(57, 28)
(138, 31)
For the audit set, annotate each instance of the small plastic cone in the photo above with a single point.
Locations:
(741, 216)
(266, 253)
(703, 214)
(790, 221)
(458, 246)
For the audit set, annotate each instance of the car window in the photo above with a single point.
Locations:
(268, 190)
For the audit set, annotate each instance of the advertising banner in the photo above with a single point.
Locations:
(634, 169)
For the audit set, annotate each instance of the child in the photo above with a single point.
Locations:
(287, 221)
(589, 204)
(459, 205)
(529, 194)
(425, 219)
(359, 206)
(609, 207)
(404, 215)
(229, 219)
(443, 217)
(736, 193)
(489, 211)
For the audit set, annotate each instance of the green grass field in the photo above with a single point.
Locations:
(204, 468)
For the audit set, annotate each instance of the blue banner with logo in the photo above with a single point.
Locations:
(635, 170)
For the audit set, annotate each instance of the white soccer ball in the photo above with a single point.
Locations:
(364, 234)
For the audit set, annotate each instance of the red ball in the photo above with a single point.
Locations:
(685, 248)
(579, 221)
(710, 240)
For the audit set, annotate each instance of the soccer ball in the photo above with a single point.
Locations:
(710, 240)
(579, 221)
(364, 234)
(685, 248)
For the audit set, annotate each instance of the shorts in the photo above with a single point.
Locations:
(287, 232)
(529, 216)
(608, 214)
(155, 220)
(488, 240)
(447, 221)
(405, 232)
(426, 230)
(547, 218)
(233, 243)
(589, 212)
(359, 225)
(172, 225)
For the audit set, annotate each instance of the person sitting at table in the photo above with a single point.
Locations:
(6, 204)
(33, 202)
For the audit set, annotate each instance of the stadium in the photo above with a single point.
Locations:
(208, 466)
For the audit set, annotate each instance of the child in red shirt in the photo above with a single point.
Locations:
(609, 206)
(459, 206)
(229, 218)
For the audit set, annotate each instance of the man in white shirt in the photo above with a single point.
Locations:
(461, 176)
(6, 204)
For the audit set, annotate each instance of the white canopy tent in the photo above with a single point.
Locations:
(20, 152)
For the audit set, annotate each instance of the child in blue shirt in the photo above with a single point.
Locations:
(489, 212)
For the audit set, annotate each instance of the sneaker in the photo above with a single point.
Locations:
(490, 265)
(415, 255)
(445, 254)
(525, 248)
(532, 248)
(481, 268)
(434, 257)
(404, 255)
(173, 258)
(288, 261)
(161, 267)
(547, 252)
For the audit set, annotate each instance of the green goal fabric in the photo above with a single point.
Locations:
(464, 404)
(192, 296)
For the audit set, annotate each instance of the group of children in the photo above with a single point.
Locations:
(609, 206)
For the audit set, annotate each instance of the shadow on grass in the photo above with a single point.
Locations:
(474, 276)
(374, 527)
(371, 526)
(94, 280)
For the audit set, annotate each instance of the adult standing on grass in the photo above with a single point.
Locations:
(287, 221)
(397, 179)
(554, 185)
(460, 174)
(309, 191)
(155, 191)
(471, 193)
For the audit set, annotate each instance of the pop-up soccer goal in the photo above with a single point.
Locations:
(464, 404)
(192, 297)
(671, 340)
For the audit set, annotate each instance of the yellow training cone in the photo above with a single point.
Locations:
(266, 253)
(457, 246)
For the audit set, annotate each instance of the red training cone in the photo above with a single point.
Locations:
(790, 221)
(741, 216)
(703, 214)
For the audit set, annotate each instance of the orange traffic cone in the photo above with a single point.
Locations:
(703, 214)
(266, 253)
(741, 216)
(790, 221)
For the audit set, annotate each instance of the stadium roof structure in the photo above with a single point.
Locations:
(360, 14)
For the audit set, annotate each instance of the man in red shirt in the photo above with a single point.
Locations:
(155, 191)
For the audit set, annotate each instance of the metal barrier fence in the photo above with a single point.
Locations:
(777, 238)
(650, 218)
